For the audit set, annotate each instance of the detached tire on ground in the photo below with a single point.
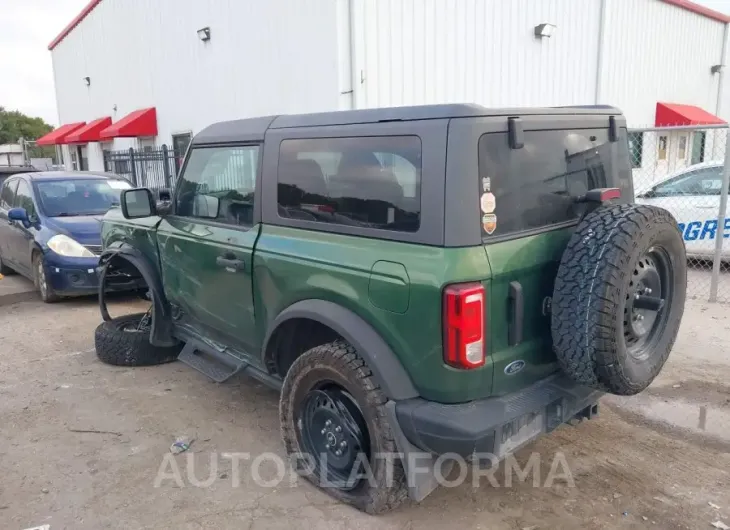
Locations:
(619, 297)
(333, 412)
(122, 342)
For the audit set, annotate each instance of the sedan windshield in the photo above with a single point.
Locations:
(76, 197)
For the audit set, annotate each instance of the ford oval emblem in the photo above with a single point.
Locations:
(514, 367)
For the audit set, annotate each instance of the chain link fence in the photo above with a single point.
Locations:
(682, 169)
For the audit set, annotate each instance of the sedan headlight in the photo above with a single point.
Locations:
(65, 246)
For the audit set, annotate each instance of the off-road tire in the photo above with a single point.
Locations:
(339, 362)
(118, 347)
(591, 291)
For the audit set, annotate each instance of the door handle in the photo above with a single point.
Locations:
(229, 261)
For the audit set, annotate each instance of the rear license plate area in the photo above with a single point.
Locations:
(519, 431)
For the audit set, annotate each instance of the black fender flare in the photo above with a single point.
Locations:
(387, 368)
(161, 330)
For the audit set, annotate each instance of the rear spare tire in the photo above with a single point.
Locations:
(619, 297)
(125, 341)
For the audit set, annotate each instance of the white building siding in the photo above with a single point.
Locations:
(263, 58)
(412, 52)
(655, 51)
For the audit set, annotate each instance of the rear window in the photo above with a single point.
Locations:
(536, 186)
(372, 182)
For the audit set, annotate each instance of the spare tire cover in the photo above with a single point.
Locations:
(619, 297)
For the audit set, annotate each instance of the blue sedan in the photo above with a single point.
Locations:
(50, 230)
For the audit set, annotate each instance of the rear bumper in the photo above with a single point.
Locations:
(493, 425)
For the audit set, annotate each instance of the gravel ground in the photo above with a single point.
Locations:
(654, 461)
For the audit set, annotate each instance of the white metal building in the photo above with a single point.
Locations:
(179, 65)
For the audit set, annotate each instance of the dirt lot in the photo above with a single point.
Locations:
(656, 461)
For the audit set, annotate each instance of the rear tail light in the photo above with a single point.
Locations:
(464, 325)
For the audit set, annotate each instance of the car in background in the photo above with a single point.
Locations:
(692, 195)
(8, 171)
(50, 229)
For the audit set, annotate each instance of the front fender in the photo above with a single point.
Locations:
(161, 331)
(387, 369)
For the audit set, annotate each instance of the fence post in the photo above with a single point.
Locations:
(166, 165)
(134, 166)
(720, 234)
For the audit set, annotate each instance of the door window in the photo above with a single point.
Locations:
(180, 143)
(372, 182)
(698, 147)
(706, 181)
(7, 194)
(219, 184)
(24, 198)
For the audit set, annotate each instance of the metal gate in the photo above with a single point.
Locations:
(148, 168)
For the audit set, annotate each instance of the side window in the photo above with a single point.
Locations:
(372, 182)
(24, 198)
(7, 194)
(701, 182)
(219, 184)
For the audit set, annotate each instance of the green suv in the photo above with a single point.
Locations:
(415, 281)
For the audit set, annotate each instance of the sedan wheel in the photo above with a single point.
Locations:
(41, 281)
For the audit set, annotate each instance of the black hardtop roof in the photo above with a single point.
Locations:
(254, 129)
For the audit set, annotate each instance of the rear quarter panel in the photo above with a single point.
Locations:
(293, 264)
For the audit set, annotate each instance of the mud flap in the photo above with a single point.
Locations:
(419, 466)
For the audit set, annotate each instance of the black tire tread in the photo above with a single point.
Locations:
(121, 348)
(588, 295)
(343, 357)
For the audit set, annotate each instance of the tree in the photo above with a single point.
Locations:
(14, 125)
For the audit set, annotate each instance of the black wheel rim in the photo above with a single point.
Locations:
(137, 326)
(333, 432)
(647, 302)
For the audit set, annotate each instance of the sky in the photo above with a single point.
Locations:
(26, 29)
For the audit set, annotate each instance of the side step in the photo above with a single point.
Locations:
(217, 365)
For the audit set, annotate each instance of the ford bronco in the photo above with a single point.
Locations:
(414, 281)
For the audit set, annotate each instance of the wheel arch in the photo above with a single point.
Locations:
(161, 330)
(380, 358)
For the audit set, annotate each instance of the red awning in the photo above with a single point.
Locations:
(89, 132)
(673, 114)
(59, 135)
(141, 122)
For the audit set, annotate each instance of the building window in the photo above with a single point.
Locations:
(636, 148)
(180, 143)
(369, 182)
(682, 149)
(663, 144)
(698, 147)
